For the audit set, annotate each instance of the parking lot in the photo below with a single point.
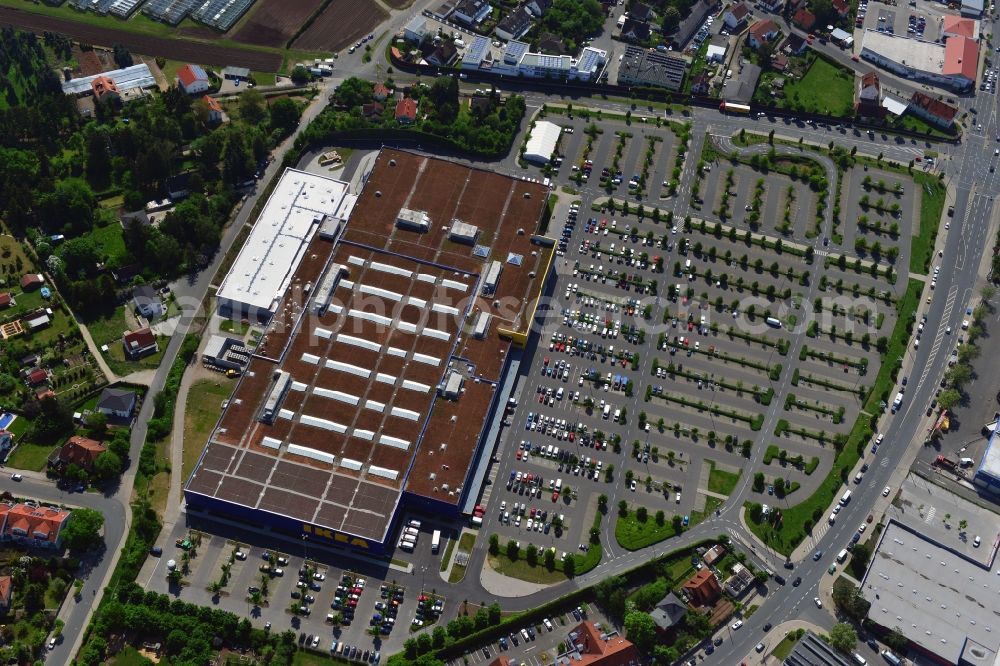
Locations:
(332, 602)
(916, 20)
(668, 339)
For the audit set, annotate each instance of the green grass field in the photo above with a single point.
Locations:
(633, 534)
(825, 88)
(30, 456)
(129, 657)
(932, 194)
(721, 481)
(110, 239)
(203, 406)
(122, 366)
(784, 648)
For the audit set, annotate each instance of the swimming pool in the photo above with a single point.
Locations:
(6, 419)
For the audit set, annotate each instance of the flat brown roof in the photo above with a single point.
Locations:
(362, 420)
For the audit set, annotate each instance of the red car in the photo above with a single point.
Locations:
(555, 496)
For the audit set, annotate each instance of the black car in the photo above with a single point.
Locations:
(818, 554)
(872, 644)
(780, 580)
(513, 638)
(718, 641)
(797, 581)
(789, 565)
(767, 627)
(709, 649)
(486, 653)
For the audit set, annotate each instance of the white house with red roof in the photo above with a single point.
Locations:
(192, 79)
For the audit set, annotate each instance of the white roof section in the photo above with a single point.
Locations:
(915, 53)
(841, 35)
(896, 107)
(542, 142)
(270, 256)
(136, 76)
(940, 600)
(716, 52)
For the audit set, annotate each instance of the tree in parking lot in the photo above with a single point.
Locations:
(758, 482)
(677, 523)
(602, 503)
(424, 643)
(532, 554)
(550, 559)
(569, 565)
(949, 398)
(641, 514)
(843, 637)
(439, 637)
(622, 508)
(512, 550)
(494, 544)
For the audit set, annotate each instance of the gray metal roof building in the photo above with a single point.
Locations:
(942, 601)
(811, 650)
(136, 76)
(645, 67)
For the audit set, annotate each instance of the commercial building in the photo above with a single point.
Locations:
(301, 205)
(941, 600)
(987, 477)
(542, 142)
(136, 76)
(335, 425)
(973, 8)
(646, 67)
(811, 650)
(957, 26)
(952, 66)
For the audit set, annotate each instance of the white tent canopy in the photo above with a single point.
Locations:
(542, 142)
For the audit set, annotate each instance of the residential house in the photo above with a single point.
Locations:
(147, 301)
(794, 45)
(701, 83)
(104, 87)
(372, 110)
(762, 32)
(32, 281)
(932, 110)
(40, 527)
(740, 581)
(192, 79)
(550, 44)
(634, 30)
(6, 300)
(416, 29)
(869, 103)
(538, 7)
(178, 187)
(741, 86)
(590, 646)
(842, 7)
(472, 12)
(669, 613)
(6, 593)
(29, 360)
(714, 554)
(640, 11)
(38, 319)
(443, 55)
(779, 62)
(406, 111)
(380, 92)
(804, 18)
(139, 343)
(736, 16)
(215, 112)
(36, 377)
(514, 25)
(703, 588)
(116, 403)
(79, 451)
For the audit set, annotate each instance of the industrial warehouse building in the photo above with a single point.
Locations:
(542, 142)
(952, 65)
(646, 67)
(302, 205)
(380, 379)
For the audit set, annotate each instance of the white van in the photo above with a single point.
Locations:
(687, 265)
(607, 412)
(841, 556)
(858, 659)
(618, 415)
(846, 498)
(858, 477)
(558, 485)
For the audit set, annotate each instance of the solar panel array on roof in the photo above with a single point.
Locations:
(514, 52)
(124, 8)
(97, 6)
(136, 76)
(221, 14)
(169, 11)
(477, 50)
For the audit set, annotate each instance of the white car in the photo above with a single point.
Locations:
(631, 485)
(863, 527)
(976, 541)
(547, 623)
(736, 625)
(886, 491)
(816, 600)
(52, 644)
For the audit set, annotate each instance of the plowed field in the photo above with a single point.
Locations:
(341, 23)
(273, 22)
(173, 49)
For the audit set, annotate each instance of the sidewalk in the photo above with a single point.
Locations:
(96, 353)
